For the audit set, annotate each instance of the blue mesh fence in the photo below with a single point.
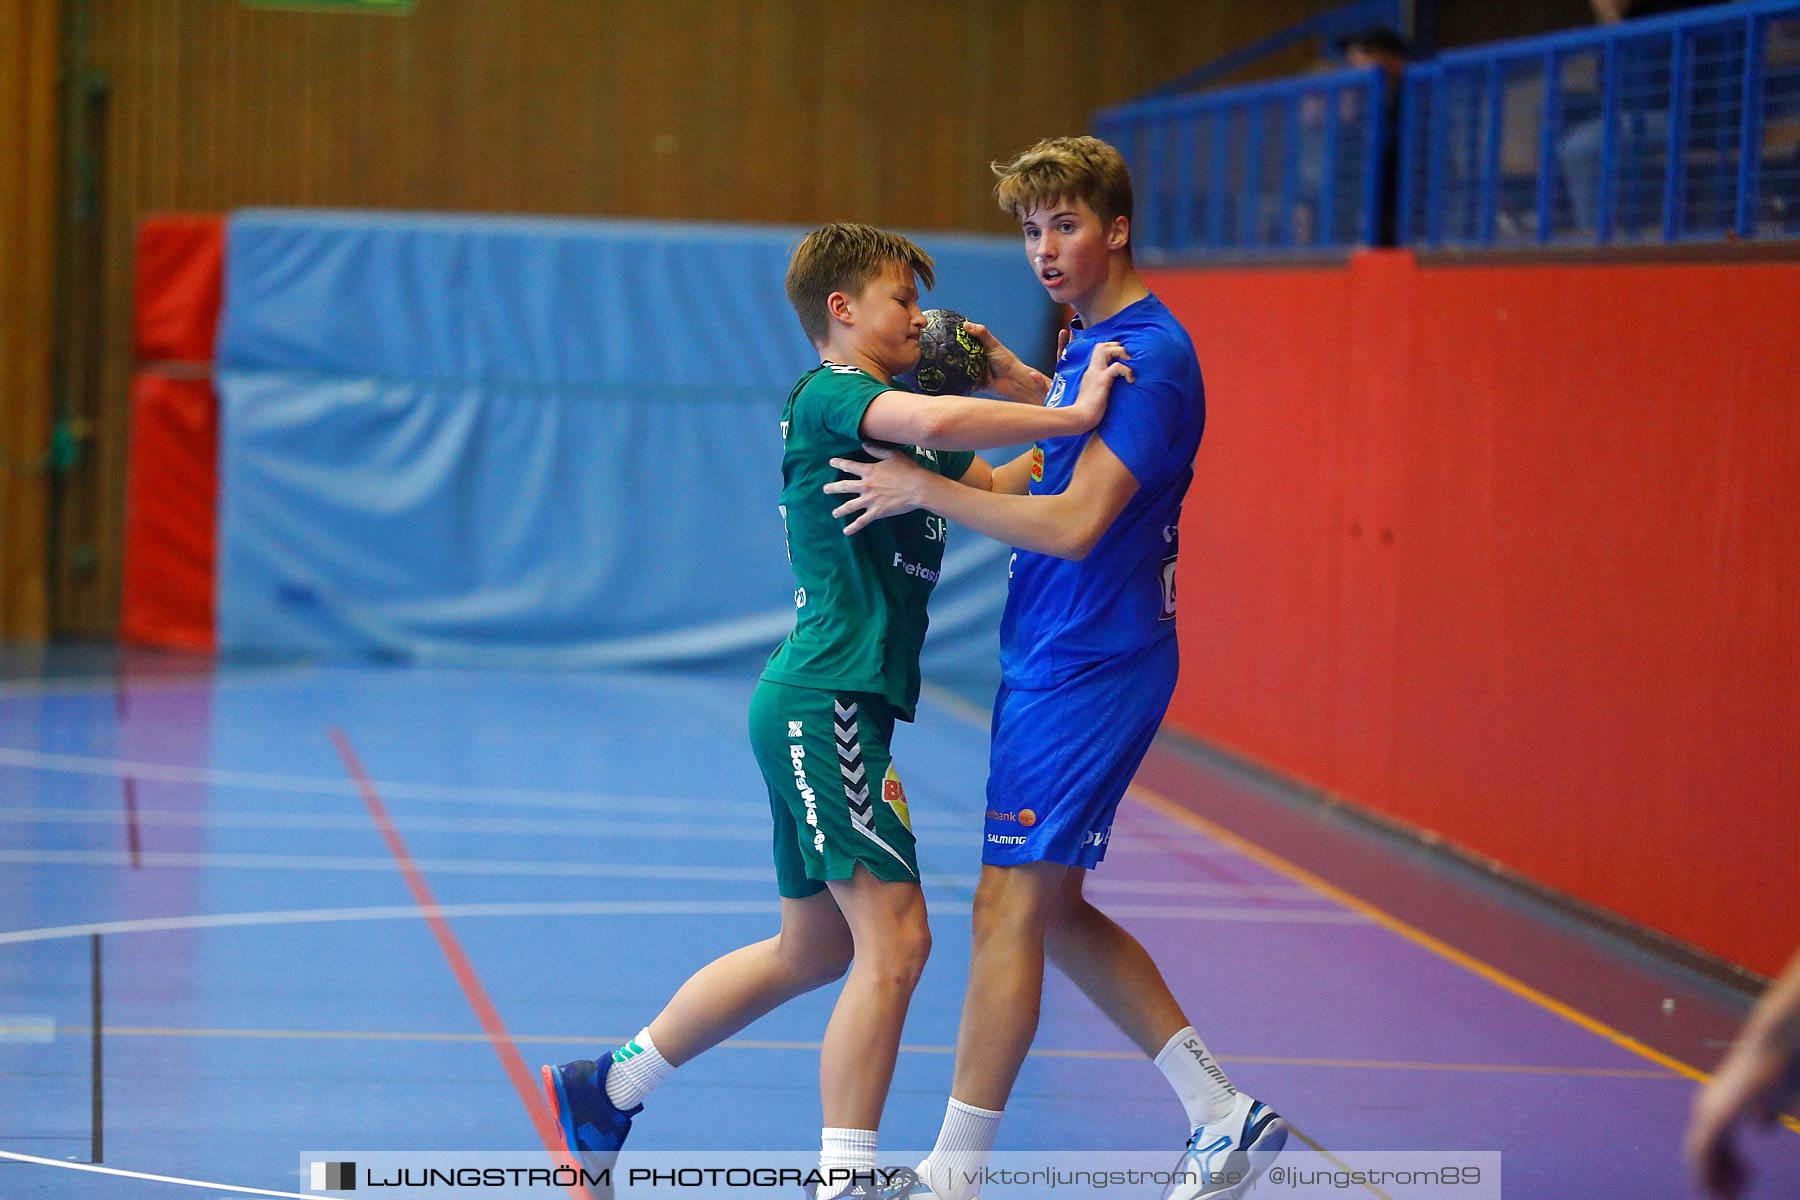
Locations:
(1291, 166)
(1677, 129)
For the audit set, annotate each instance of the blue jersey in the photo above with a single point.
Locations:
(1063, 616)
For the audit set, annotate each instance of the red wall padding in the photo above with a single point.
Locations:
(1512, 554)
(170, 518)
(180, 279)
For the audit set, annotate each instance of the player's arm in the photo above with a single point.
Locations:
(970, 423)
(979, 476)
(1012, 478)
(1066, 525)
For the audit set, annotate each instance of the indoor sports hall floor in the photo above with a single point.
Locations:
(252, 846)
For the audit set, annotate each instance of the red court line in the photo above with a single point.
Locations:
(523, 1081)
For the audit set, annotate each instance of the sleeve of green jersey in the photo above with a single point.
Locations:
(954, 464)
(838, 399)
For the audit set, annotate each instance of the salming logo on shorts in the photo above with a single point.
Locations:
(856, 776)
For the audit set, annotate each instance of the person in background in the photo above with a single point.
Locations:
(1759, 1077)
(1640, 129)
(1383, 49)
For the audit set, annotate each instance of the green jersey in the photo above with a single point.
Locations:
(860, 600)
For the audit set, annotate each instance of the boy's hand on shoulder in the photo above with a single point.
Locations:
(1008, 374)
(1105, 365)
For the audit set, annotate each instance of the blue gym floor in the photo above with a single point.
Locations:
(270, 987)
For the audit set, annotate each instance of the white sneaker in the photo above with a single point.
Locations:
(911, 1188)
(1225, 1158)
(905, 1184)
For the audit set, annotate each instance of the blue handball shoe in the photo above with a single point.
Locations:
(591, 1123)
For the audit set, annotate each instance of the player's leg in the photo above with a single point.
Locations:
(1112, 969)
(1234, 1137)
(862, 1040)
(867, 855)
(595, 1101)
(1061, 762)
(1013, 908)
(812, 949)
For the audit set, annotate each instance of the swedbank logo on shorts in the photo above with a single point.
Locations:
(1024, 817)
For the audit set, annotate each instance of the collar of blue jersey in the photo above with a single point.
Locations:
(1077, 326)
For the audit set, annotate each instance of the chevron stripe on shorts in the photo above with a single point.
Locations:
(856, 777)
(850, 762)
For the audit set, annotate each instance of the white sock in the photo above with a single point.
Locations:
(844, 1149)
(1196, 1077)
(962, 1150)
(637, 1067)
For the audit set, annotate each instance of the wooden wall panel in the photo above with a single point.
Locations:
(791, 111)
(28, 74)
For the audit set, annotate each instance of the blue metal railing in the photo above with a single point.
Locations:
(1672, 129)
(1294, 165)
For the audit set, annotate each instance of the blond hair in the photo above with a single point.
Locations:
(843, 258)
(1065, 168)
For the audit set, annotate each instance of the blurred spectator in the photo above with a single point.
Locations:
(1641, 130)
(1381, 48)
(1611, 12)
(1758, 1077)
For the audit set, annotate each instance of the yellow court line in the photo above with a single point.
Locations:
(1274, 862)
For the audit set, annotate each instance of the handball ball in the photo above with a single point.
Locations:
(951, 361)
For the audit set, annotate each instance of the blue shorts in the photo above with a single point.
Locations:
(1062, 757)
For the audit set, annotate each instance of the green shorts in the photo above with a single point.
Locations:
(833, 792)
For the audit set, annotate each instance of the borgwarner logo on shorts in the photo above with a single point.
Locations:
(334, 1177)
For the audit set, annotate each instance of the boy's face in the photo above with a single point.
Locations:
(887, 319)
(1071, 248)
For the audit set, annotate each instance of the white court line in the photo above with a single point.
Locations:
(194, 860)
(390, 790)
(611, 908)
(175, 1179)
(382, 865)
(560, 827)
(397, 912)
(147, 772)
(608, 1039)
(34, 1029)
(265, 781)
(143, 685)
